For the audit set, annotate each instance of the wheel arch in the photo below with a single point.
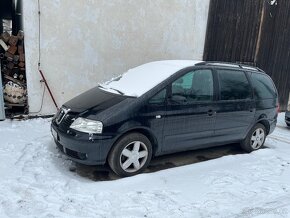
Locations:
(264, 121)
(142, 130)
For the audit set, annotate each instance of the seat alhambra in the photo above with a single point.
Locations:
(165, 107)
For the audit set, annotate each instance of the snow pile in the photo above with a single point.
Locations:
(36, 182)
(139, 80)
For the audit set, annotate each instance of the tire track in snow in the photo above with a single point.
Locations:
(279, 139)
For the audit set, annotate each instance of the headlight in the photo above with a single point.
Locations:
(88, 126)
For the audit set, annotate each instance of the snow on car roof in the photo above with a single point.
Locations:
(139, 80)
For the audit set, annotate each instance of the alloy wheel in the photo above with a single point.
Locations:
(257, 138)
(133, 156)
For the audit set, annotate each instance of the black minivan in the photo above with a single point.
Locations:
(165, 107)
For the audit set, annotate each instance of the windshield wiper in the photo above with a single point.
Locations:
(104, 87)
(99, 85)
(122, 93)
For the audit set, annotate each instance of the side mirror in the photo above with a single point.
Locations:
(178, 99)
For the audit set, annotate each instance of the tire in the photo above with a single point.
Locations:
(127, 152)
(288, 124)
(255, 138)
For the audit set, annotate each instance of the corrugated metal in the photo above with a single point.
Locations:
(254, 32)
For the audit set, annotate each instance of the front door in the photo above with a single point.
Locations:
(190, 117)
(152, 116)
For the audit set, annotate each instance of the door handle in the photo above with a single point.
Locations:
(211, 113)
(158, 116)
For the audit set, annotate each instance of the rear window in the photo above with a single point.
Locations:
(263, 86)
(234, 85)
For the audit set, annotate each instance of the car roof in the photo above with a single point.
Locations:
(139, 80)
(230, 65)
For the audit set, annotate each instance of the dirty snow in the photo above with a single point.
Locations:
(36, 182)
(141, 79)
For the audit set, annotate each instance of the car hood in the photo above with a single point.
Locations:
(94, 99)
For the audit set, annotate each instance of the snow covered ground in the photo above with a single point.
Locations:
(36, 182)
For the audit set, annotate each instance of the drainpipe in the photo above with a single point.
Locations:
(18, 23)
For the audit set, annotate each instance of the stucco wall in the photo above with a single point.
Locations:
(84, 42)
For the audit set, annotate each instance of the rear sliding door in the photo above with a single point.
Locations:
(235, 107)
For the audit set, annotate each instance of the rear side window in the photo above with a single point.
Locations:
(263, 86)
(234, 85)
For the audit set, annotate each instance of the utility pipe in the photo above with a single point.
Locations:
(47, 86)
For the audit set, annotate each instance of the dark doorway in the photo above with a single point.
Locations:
(12, 58)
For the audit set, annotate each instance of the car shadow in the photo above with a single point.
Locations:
(103, 173)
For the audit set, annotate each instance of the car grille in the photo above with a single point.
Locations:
(66, 122)
(64, 119)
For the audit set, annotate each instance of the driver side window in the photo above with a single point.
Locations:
(193, 87)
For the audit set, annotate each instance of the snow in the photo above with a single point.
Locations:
(141, 79)
(36, 182)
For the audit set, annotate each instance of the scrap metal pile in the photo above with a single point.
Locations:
(12, 59)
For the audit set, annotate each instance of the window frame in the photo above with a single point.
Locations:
(158, 92)
(186, 71)
(271, 80)
(219, 87)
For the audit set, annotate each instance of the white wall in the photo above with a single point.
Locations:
(84, 42)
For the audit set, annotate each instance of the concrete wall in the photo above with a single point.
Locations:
(84, 42)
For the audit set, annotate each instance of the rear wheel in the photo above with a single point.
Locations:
(255, 138)
(130, 155)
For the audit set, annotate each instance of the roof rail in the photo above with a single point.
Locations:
(221, 63)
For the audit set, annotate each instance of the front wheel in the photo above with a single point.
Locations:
(130, 155)
(255, 138)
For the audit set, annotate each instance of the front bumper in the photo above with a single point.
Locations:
(287, 117)
(81, 149)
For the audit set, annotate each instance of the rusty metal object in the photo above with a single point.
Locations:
(20, 49)
(21, 64)
(13, 40)
(12, 49)
(47, 86)
(22, 57)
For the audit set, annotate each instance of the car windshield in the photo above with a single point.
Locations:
(139, 80)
